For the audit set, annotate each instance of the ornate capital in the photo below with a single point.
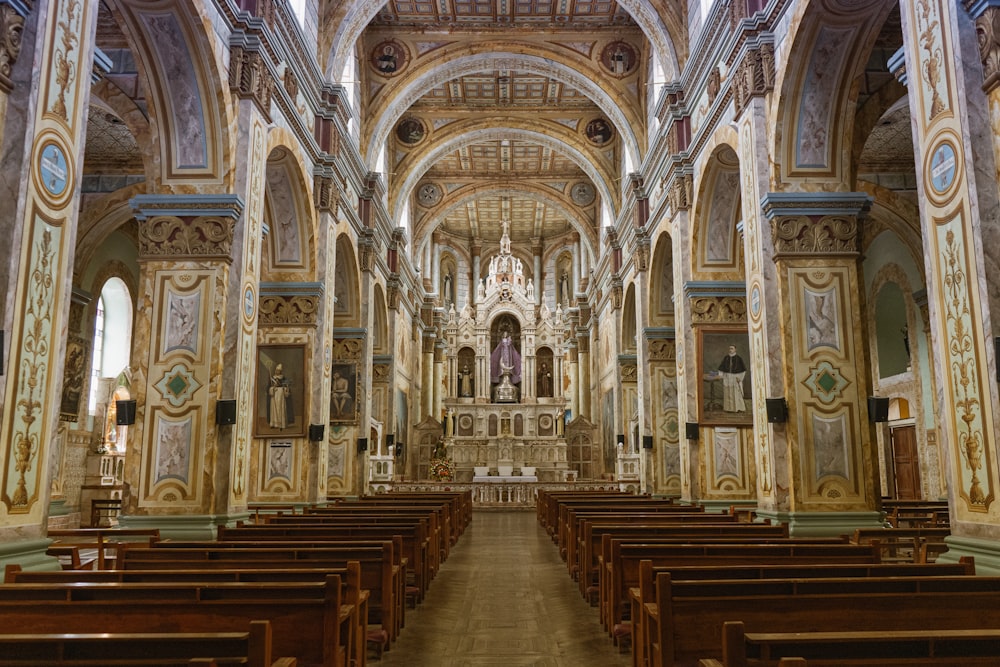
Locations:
(381, 373)
(616, 293)
(169, 236)
(988, 35)
(250, 78)
(288, 310)
(662, 349)
(754, 75)
(718, 310)
(679, 194)
(325, 195)
(392, 290)
(642, 245)
(11, 27)
(366, 247)
(805, 235)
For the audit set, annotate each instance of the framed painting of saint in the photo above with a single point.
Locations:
(724, 377)
(281, 385)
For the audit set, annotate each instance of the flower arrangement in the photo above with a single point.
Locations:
(442, 470)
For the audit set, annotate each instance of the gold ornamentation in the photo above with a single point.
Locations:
(169, 236)
(629, 373)
(65, 68)
(930, 33)
(288, 310)
(971, 440)
(828, 235)
(719, 310)
(32, 369)
(325, 195)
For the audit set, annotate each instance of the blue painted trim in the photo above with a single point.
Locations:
(977, 7)
(898, 61)
(349, 332)
(222, 205)
(814, 203)
(310, 288)
(22, 8)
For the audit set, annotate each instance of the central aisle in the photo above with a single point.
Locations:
(503, 597)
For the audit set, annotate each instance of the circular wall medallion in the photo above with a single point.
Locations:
(429, 194)
(599, 131)
(54, 169)
(465, 422)
(755, 301)
(411, 131)
(249, 302)
(389, 58)
(582, 194)
(619, 58)
(943, 166)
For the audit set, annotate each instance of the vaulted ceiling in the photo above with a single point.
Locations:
(491, 119)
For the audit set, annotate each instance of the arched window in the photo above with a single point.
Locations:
(112, 335)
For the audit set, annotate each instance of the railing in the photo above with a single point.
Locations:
(506, 495)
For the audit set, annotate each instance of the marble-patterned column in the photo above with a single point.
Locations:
(440, 379)
(435, 264)
(536, 254)
(832, 475)
(43, 169)
(574, 379)
(427, 379)
(643, 379)
(957, 193)
(477, 251)
(185, 477)
(583, 372)
(574, 281)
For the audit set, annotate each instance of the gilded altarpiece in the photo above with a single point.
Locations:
(41, 300)
(952, 243)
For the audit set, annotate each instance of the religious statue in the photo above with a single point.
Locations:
(733, 370)
(544, 380)
(448, 297)
(505, 358)
(465, 381)
(564, 289)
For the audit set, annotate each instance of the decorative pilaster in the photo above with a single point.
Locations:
(12, 16)
(754, 73)
(249, 76)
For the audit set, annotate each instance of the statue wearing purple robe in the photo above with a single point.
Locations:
(505, 356)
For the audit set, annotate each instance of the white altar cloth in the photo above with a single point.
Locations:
(496, 479)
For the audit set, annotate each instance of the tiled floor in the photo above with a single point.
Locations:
(503, 597)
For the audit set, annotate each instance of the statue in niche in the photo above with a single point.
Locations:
(465, 381)
(449, 298)
(564, 289)
(544, 380)
(505, 357)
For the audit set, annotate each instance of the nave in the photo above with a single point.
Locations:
(503, 598)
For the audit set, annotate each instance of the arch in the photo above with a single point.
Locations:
(284, 150)
(380, 327)
(346, 284)
(538, 193)
(399, 96)
(830, 46)
(291, 240)
(661, 293)
(716, 249)
(181, 67)
(629, 326)
(351, 18)
(416, 165)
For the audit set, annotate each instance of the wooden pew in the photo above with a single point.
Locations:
(621, 571)
(309, 620)
(379, 574)
(93, 545)
(902, 544)
(690, 614)
(141, 649)
(569, 511)
(547, 505)
(436, 518)
(643, 598)
(593, 532)
(944, 648)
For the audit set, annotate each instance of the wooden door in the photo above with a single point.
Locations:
(905, 462)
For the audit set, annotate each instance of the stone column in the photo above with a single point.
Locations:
(643, 378)
(583, 371)
(178, 459)
(833, 479)
(536, 253)
(477, 250)
(574, 374)
(435, 265)
(957, 193)
(427, 377)
(50, 89)
(574, 281)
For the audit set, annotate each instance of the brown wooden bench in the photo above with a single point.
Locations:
(379, 573)
(687, 622)
(309, 621)
(442, 526)
(570, 511)
(142, 649)
(547, 504)
(645, 594)
(87, 547)
(943, 648)
(901, 544)
(621, 571)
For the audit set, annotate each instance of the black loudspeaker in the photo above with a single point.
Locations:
(691, 430)
(399, 449)
(996, 354)
(878, 409)
(647, 442)
(389, 439)
(316, 432)
(124, 413)
(362, 444)
(225, 412)
(620, 439)
(777, 410)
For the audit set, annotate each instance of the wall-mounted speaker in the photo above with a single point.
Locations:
(362, 444)
(389, 439)
(399, 449)
(647, 442)
(777, 410)
(225, 412)
(124, 413)
(691, 430)
(316, 432)
(620, 439)
(878, 409)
